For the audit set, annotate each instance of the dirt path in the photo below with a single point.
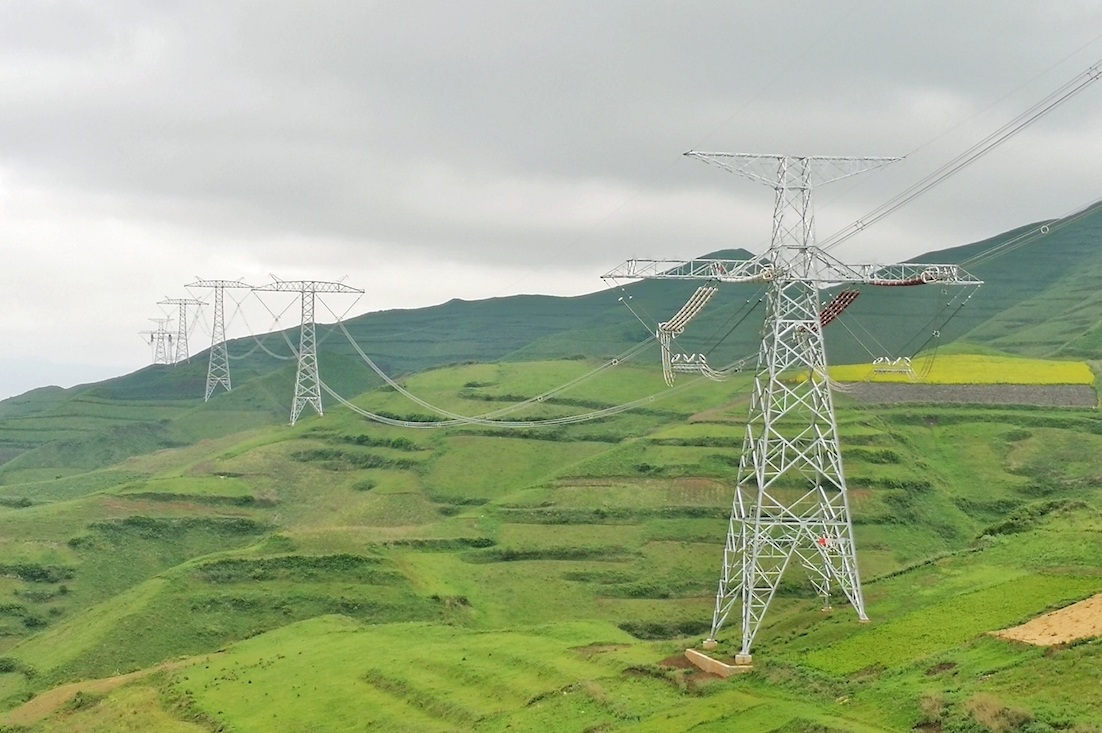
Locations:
(1080, 620)
(49, 701)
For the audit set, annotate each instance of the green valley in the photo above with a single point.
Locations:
(170, 564)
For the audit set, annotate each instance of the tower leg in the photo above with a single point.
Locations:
(790, 499)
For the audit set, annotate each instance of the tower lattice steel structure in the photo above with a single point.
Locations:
(307, 379)
(218, 366)
(182, 353)
(790, 503)
(160, 341)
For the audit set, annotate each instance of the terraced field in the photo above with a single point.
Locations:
(340, 575)
(971, 369)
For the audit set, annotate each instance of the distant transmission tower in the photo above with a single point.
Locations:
(218, 367)
(182, 354)
(307, 380)
(790, 498)
(160, 341)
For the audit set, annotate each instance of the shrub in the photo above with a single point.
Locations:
(438, 545)
(658, 630)
(35, 573)
(932, 707)
(403, 444)
(881, 456)
(156, 528)
(1028, 516)
(335, 459)
(553, 553)
(83, 700)
(299, 568)
(365, 484)
(990, 712)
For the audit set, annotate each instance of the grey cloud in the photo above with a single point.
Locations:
(540, 136)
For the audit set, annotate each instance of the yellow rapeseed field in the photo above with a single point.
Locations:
(973, 369)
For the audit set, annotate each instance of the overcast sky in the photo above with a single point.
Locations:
(433, 150)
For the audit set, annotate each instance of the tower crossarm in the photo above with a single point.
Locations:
(201, 282)
(307, 286)
(791, 171)
(181, 301)
(907, 273)
(754, 270)
(829, 269)
(826, 270)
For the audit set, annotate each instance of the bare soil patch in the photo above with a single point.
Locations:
(51, 700)
(678, 661)
(1042, 395)
(697, 484)
(688, 673)
(42, 705)
(939, 668)
(1082, 620)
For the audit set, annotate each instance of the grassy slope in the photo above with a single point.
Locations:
(117, 558)
(481, 581)
(1060, 321)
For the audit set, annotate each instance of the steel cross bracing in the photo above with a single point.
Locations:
(307, 379)
(791, 502)
(218, 366)
(182, 353)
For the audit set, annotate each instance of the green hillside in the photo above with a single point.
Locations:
(175, 565)
(359, 576)
(1039, 300)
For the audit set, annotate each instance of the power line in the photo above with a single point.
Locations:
(1037, 111)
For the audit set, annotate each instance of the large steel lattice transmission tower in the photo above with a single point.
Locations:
(218, 366)
(307, 379)
(182, 354)
(790, 504)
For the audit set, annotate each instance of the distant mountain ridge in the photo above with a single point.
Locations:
(1044, 299)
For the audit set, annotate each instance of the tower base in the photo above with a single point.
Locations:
(704, 663)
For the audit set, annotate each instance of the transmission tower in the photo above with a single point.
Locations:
(182, 353)
(790, 501)
(160, 341)
(307, 380)
(218, 367)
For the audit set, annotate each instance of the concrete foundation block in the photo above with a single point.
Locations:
(705, 663)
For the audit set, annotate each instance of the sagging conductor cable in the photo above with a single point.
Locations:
(638, 348)
(456, 420)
